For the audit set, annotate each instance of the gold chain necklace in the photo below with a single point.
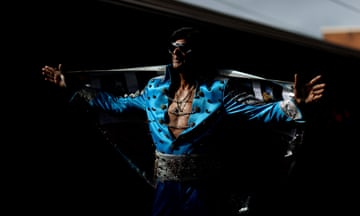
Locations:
(180, 104)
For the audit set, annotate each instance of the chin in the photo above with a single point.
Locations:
(176, 65)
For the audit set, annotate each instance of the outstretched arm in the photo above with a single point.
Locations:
(310, 92)
(54, 75)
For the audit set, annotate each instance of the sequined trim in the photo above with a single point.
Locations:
(170, 167)
(85, 94)
(290, 109)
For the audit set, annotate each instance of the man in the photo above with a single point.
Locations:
(185, 110)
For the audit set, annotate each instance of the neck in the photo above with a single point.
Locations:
(186, 84)
(186, 80)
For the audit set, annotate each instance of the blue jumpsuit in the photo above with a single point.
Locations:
(212, 103)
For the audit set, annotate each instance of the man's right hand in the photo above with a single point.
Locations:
(54, 75)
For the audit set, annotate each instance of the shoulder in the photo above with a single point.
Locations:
(156, 80)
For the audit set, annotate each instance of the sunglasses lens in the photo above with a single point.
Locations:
(180, 46)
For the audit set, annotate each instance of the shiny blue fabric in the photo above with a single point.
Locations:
(212, 103)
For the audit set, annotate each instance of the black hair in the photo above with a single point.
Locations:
(190, 34)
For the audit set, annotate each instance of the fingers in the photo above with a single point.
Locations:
(316, 92)
(48, 70)
(315, 80)
(315, 87)
(49, 73)
(312, 91)
(295, 80)
(318, 89)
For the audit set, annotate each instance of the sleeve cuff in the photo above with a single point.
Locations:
(290, 109)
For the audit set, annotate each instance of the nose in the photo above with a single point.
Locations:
(175, 50)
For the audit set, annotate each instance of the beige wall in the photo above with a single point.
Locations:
(348, 37)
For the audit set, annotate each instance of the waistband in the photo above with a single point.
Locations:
(169, 167)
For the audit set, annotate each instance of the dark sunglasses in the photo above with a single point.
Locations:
(182, 47)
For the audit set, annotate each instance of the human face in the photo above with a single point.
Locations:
(179, 51)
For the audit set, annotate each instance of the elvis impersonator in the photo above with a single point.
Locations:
(185, 109)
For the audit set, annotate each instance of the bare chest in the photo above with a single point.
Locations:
(179, 112)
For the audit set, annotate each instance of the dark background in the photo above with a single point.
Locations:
(59, 162)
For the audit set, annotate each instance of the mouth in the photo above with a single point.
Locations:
(176, 62)
(177, 58)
